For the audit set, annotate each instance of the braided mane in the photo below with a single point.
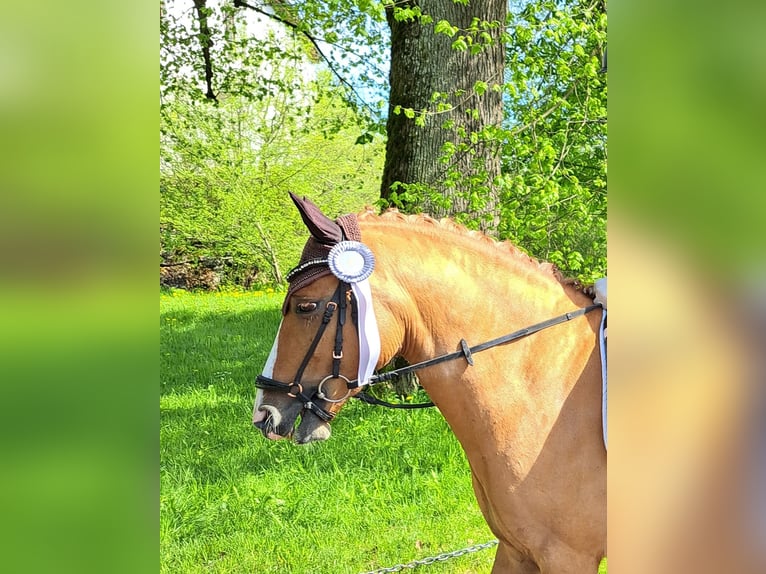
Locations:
(393, 215)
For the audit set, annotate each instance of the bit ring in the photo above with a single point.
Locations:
(322, 396)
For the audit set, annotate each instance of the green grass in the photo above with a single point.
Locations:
(387, 488)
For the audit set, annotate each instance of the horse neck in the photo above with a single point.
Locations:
(451, 286)
(437, 289)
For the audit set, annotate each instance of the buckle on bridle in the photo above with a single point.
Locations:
(295, 394)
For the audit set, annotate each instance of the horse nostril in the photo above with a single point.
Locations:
(267, 414)
(259, 416)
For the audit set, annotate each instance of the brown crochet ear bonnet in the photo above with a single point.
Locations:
(325, 234)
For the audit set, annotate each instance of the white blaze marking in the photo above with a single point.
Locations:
(268, 371)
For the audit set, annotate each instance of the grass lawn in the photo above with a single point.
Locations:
(387, 488)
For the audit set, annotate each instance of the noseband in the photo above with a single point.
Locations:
(339, 302)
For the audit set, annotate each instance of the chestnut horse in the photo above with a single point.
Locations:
(527, 414)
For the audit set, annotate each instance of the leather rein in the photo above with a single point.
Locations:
(339, 302)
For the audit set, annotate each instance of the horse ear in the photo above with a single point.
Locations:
(322, 228)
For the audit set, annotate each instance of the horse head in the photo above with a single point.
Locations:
(316, 352)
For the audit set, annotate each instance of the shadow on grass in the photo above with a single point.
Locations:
(209, 359)
(198, 350)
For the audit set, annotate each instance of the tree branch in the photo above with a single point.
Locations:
(518, 129)
(272, 254)
(310, 38)
(207, 41)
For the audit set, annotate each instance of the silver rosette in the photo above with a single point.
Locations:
(351, 261)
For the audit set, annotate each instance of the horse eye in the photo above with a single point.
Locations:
(306, 307)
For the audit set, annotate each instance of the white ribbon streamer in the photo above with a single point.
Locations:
(600, 288)
(369, 336)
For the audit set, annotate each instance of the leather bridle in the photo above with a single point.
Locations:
(338, 302)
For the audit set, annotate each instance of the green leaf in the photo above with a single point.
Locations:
(365, 138)
(444, 27)
(460, 44)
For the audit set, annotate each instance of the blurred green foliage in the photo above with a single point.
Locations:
(689, 144)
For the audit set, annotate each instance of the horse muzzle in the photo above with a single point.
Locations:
(276, 425)
(268, 420)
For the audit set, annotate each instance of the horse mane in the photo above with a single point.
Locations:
(421, 220)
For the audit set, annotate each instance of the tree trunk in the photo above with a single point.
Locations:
(424, 63)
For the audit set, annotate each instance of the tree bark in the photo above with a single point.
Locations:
(422, 63)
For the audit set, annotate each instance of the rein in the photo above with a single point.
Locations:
(338, 302)
(467, 352)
